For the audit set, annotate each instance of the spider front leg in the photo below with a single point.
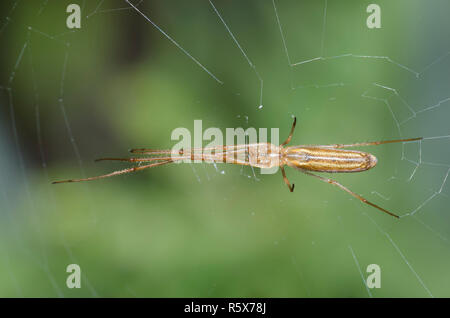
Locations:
(288, 140)
(291, 187)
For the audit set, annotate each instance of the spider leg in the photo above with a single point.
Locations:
(190, 150)
(138, 159)
(226, 156)
(118, 172)
(371, 143)
(291, 187)
(288, 140)
(150, 151)
(333, 182)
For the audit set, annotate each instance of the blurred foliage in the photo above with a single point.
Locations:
(190, 230)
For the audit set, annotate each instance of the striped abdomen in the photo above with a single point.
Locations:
(328, 159)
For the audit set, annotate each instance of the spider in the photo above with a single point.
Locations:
(305, 158)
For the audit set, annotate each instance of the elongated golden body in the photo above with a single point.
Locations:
(328, 159)
(305, 158)
(267, 155)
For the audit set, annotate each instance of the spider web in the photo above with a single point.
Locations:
(258, 64)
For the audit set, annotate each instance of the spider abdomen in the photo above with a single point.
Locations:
(329, 159)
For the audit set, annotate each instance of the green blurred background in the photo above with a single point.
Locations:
(67, 98)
